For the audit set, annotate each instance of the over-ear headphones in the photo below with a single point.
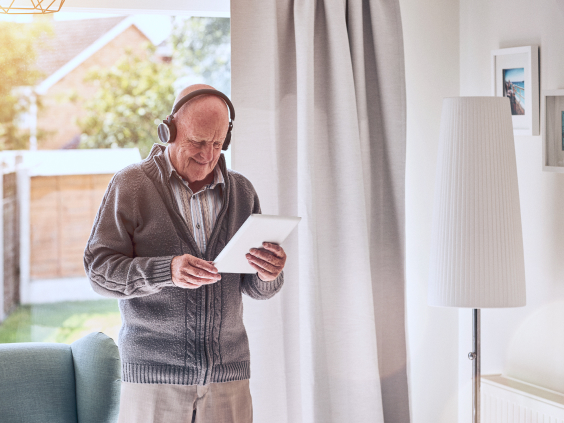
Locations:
(167, 129)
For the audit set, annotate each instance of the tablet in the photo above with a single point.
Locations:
(258, 228)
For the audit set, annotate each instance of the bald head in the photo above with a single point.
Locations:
(200, 106)
(190, 89)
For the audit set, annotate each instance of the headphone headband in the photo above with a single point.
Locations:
(205, 91)
(167, 129)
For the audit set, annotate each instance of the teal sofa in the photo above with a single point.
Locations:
(59, 383)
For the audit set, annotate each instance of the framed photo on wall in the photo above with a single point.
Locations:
(515, 74)
(552, 106)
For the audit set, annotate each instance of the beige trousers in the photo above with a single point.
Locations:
(228, 402)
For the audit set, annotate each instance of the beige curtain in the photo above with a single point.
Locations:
(319, 92)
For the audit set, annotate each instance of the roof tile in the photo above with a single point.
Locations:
(69, 39)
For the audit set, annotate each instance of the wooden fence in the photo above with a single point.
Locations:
(49, 202)
(62, 211)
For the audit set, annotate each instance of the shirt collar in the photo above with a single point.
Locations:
(169, 167)
(217, 175)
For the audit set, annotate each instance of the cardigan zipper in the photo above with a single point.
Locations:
(205, 256)
(207, 289)
(205, 333)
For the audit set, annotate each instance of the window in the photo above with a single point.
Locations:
(85, 92)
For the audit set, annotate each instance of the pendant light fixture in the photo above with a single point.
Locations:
(30, 7)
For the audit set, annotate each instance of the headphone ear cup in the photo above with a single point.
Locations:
(227, 141)
(167, 130)
(172, 129)
(164, 132)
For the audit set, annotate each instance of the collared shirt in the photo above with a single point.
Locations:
(200, 209)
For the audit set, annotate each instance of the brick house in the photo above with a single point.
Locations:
(75, 47)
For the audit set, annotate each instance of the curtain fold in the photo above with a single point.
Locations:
(319, 90)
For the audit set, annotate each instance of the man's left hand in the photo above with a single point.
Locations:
(267, 261)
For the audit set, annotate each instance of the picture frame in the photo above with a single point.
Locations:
(515, 74)
(552, 107)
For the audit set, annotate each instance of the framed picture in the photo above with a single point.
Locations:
(515, 74)
(552, 106)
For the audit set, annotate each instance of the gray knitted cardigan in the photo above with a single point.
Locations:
(169, 334)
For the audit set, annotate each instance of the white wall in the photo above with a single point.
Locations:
(432, 67)
(526, 343)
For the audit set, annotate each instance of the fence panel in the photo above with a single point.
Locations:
(62, 211)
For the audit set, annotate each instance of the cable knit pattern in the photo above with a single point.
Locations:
(217, 324)
(169, 334)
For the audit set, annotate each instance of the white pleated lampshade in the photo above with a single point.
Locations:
(477, 243)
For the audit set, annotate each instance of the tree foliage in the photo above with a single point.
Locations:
(18, 43)
(133, 96)
(202, 50)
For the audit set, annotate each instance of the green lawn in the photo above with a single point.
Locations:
(63, 322)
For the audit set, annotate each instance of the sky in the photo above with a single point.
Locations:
(514, 75)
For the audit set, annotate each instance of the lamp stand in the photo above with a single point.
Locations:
(475, 357)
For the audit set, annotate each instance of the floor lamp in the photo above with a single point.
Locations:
(477, 242)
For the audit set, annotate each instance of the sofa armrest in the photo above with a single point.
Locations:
(97, 372)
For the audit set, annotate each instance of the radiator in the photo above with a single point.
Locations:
(506, 400)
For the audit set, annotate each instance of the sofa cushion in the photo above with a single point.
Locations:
(37, 383)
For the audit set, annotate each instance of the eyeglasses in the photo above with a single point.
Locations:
(202, 144)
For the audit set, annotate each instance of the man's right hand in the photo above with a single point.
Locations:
(191, 272)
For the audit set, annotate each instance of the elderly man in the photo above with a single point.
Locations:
(183, 346)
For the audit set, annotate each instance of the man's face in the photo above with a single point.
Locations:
(199, 138)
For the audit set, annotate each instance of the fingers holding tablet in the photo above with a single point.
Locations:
(268, 261)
